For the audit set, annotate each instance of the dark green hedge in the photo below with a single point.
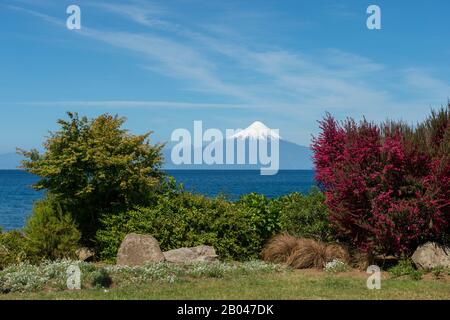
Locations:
(237, 230)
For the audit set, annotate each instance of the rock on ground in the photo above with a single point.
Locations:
(194, 254)
(431, 255)
(138, 249)
(84, 254)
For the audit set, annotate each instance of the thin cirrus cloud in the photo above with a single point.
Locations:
(422, 81)
(146, 104)
(339, 79)
(273, 78)
(162, 53)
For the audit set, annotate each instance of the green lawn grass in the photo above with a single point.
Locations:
(303, 284)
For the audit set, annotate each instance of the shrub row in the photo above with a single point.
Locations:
(237, 230)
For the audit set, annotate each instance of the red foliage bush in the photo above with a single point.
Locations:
(387, 186)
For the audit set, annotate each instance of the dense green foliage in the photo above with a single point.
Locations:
(304, 215)
(48, 234)
(237, 230)
(265, 217)
(51, 234)
(13, 248)
(93, 166)
(186, 220)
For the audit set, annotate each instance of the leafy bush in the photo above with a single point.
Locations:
(51, 234)
(93, 166)
(101, 279)
(387, 187)
(13, 248)
(265, 216)
(405, 267)
(304, 215)
(236, 230)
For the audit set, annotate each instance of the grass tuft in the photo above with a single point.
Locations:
(302, 253)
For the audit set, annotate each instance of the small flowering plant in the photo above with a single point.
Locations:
(336, 266)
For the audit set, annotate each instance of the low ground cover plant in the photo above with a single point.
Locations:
(336, 266)
(405, 267)
(52, 275)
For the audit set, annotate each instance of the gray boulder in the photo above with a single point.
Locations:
(431, 255)
(139, 249)
(85, 254)
(189, 255)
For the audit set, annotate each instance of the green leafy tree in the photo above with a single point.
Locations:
(94, 166)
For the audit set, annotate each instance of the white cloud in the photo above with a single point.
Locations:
(144, 104)
(141, 12)
(272, 78)
(421, 80)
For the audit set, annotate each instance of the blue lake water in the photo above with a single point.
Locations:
(17, 196)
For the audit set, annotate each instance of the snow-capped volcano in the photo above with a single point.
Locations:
(257, 130)
(291, 155)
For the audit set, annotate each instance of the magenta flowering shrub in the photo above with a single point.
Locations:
(387, 187)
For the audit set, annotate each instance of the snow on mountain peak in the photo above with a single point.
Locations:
(257, 130)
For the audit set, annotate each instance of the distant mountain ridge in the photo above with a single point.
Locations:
(292, 156)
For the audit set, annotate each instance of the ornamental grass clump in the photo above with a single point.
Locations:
(302, 253)
(279, 248)
(307, 254)
(336, 251)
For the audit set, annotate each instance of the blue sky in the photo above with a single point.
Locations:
(164, 64)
